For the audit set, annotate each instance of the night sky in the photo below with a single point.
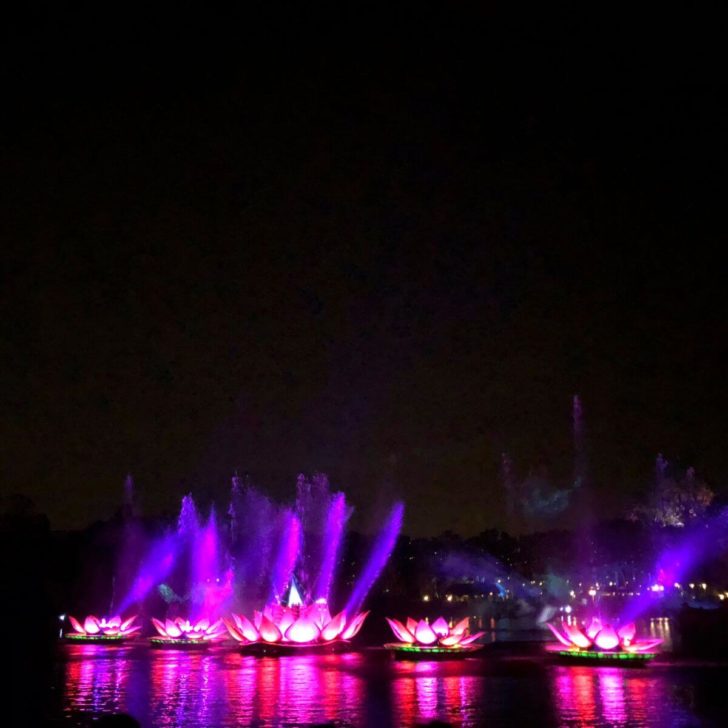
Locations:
(390, 268)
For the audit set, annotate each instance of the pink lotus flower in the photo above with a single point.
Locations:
(436, 634)
(183, 629)
(112, 627)
(602, 637)
(305, 625)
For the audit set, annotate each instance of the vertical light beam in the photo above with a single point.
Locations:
(385, 542)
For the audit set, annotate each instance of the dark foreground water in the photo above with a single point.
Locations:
(501, 687)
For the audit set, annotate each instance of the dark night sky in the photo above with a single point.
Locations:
(390, 271)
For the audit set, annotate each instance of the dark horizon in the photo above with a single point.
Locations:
(390, 273)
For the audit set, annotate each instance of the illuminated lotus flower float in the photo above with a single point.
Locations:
(433, 639)
(93, 629)
(181, 632)
(280, 628)
(601, 641)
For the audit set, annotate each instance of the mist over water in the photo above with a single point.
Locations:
(259, 554)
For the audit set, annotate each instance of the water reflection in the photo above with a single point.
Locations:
(612, 696)
(215, 687)
(96, 679)
(224, 688)
(661, 628)
(427, 691)
(231, 689)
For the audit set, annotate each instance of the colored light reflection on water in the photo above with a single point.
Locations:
(661, 628)
(223, 688)
(612, 696)
(97, 679)
(214, 687)
(427, 691)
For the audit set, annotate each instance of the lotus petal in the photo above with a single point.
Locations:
(214, 628)
(110, 631)
(246, 628)
(127, 623)
(451, 640)
(564, 640)
(424, 634)
(91, 625)
(411, 625)
(642, 645)
(595, 626)
(440, 628)
(76, 625)
(400, 631)
(321, 614)
(627, 632)
(114, 622)
(471, 638)
(131, 630)
(352, 629)
(234, 631)
(202, 625)
(334, 628)
(607, 638)
(303, 630)
(159, 626)
(257, 619)
(287, 619)
(576, 636)
(461, 626)
(268, 631)
(172, 629)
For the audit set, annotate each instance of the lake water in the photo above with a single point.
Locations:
(368, 688)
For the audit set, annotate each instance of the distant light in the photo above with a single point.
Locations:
(657, 588)
(426, 598)
(692, 586)
(61, 617)
(704, 585)
(567, 608)
(449, 597)
(676, 585)
(572, 594)
(592, 592)
(721, 597)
